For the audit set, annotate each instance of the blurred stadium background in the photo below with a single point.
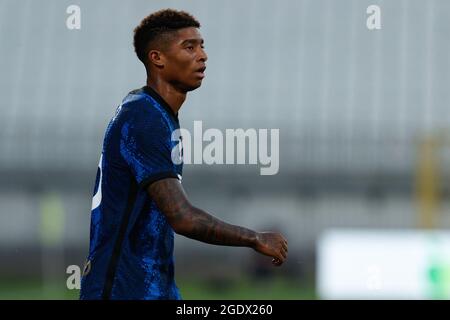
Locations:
(364, 135)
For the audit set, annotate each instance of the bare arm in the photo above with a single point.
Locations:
(197, 224)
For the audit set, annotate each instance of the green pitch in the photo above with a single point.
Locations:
(190, 289)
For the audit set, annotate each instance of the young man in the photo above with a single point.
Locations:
(139, 200)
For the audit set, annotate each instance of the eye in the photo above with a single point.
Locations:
(190, 48)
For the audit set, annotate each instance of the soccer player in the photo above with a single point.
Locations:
(139, 200)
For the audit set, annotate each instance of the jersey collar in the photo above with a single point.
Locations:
(150, 91)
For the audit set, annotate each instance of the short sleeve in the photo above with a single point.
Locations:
(146, 146)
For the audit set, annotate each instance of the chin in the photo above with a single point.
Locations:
(193, 86)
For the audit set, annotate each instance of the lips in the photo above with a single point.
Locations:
(201, 71)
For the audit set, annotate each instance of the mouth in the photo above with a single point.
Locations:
(201, 72)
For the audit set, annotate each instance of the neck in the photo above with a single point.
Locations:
(169, 93)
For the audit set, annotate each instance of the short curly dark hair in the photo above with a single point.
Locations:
(155, 28)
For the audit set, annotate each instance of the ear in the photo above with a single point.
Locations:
(156, 58)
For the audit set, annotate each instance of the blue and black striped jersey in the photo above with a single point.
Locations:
(131, 242)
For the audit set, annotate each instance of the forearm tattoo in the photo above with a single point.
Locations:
(193, 222)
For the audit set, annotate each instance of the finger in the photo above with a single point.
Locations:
(283, 253)
(280, 257)
(285, 247)
(276, 262)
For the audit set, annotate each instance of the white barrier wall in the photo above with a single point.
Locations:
(383, 264)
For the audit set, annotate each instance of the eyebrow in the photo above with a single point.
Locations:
(192, 41)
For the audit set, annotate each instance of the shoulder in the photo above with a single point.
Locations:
(137, 102)
(137, 108)
(139, 114)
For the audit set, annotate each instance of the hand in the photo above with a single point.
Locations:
(272, 244)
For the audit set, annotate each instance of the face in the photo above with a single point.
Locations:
(184, 60)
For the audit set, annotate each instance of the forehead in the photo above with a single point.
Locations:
(190, 33)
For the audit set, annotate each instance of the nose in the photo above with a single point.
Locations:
(203, 56)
